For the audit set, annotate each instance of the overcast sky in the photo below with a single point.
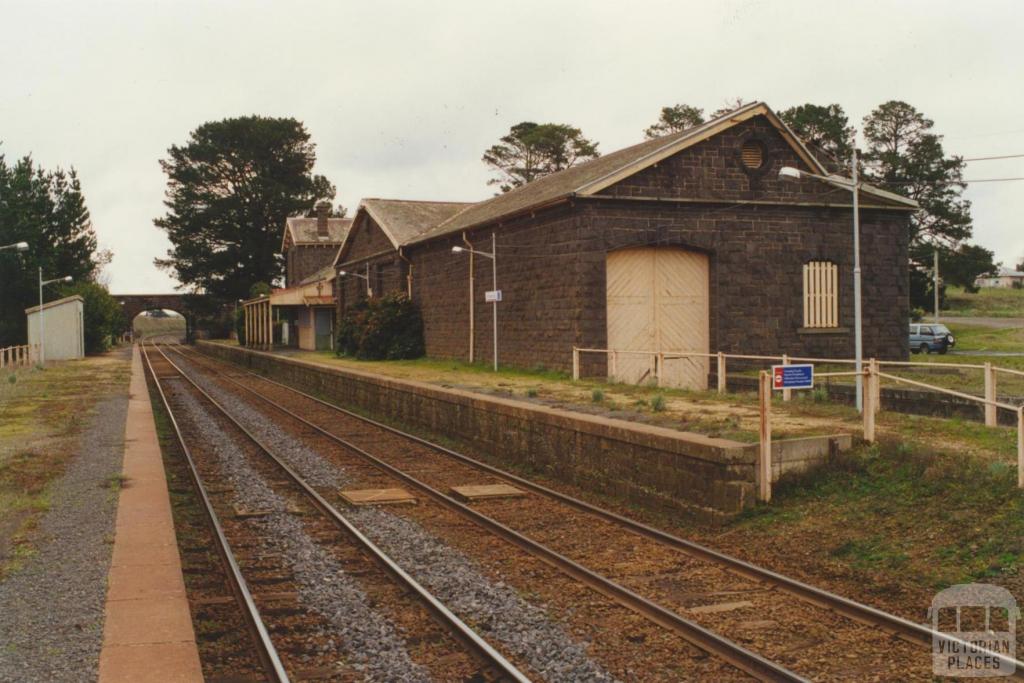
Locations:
(402, 98)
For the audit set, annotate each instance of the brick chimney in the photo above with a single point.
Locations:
(323, 209)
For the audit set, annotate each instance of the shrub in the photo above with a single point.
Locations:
(531, 392)
(240, 325)
(597, 396)
(388, 328)
(658, 403)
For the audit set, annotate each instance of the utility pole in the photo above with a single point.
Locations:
(857, 310)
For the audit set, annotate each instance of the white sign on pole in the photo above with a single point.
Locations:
(492, 296)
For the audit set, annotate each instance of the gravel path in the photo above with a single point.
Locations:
(51, 610)
(496, 611)
(368, 639)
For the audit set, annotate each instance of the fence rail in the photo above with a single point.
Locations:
(18, 356)
(871, 373)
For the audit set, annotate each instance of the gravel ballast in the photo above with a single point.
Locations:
(52, 608)
(368, 639)
(494, 609)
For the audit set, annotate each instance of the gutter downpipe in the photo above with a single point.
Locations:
(408, 276)
(472, 316)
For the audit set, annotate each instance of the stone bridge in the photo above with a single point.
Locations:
(188, 305)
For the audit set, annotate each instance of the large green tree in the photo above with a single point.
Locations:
(230, 188)
(823, 126)
(47, 210)
(675, 119)
(532, 150)
(906, 156)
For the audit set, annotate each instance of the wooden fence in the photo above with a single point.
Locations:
(18, 356)
(872, 379)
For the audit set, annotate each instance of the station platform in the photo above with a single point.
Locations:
(148, 633)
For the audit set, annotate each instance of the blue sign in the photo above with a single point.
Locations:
(793, 376)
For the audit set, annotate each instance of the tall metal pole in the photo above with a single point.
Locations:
(935, 283)
(42, 345)
(494, 274)
(857, 313)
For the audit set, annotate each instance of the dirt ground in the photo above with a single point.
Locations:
(42, 413)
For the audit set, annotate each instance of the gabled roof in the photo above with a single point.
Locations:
(595, 175)
(325, 273)
(402, 221)
(302, 230)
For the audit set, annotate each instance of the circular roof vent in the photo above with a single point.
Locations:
(752, 155)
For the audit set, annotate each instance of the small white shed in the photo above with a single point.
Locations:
(63, 328)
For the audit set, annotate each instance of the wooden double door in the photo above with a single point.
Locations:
(657, 300)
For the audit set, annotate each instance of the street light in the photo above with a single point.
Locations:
(17, 246)
(788, 173)
(495, 294)
(369, 290)
(43, 283)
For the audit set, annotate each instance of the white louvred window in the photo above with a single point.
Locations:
(821, 294)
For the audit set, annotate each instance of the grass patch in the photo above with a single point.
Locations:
(903, 515)
(988, 302)
(41, 415)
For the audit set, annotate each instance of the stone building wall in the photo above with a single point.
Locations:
(758, 233)
(302, 260)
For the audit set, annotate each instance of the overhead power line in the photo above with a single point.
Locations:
(1005, 156)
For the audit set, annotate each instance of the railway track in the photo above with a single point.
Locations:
(725, 650)
(274, 588)
(847, 622)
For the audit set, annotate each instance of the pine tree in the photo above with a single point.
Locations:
(47, 210)
(230, 188)
(675, 119)
(825, 127)
(532, 150)
(905, 156)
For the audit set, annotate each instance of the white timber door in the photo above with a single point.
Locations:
(658, 301)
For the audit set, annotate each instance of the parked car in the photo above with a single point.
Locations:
(925, 338)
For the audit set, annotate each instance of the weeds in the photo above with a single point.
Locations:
(658, 403)
(597, 396)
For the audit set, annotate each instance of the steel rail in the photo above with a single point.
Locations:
(463, 633)
(852, 609)
(709, 641)
(271, 661)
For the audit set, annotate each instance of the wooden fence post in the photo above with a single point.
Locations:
(614, 369)
(721, 373)
(1020, 447)
(575, 364)
(659, 366)
(869, 408)
(990, 395)
(764, 458)
(786, 393)
(876, 386)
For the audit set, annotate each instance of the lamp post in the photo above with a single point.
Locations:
(42, 338)
(495, 294)
(788, 173)
(369, 292)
